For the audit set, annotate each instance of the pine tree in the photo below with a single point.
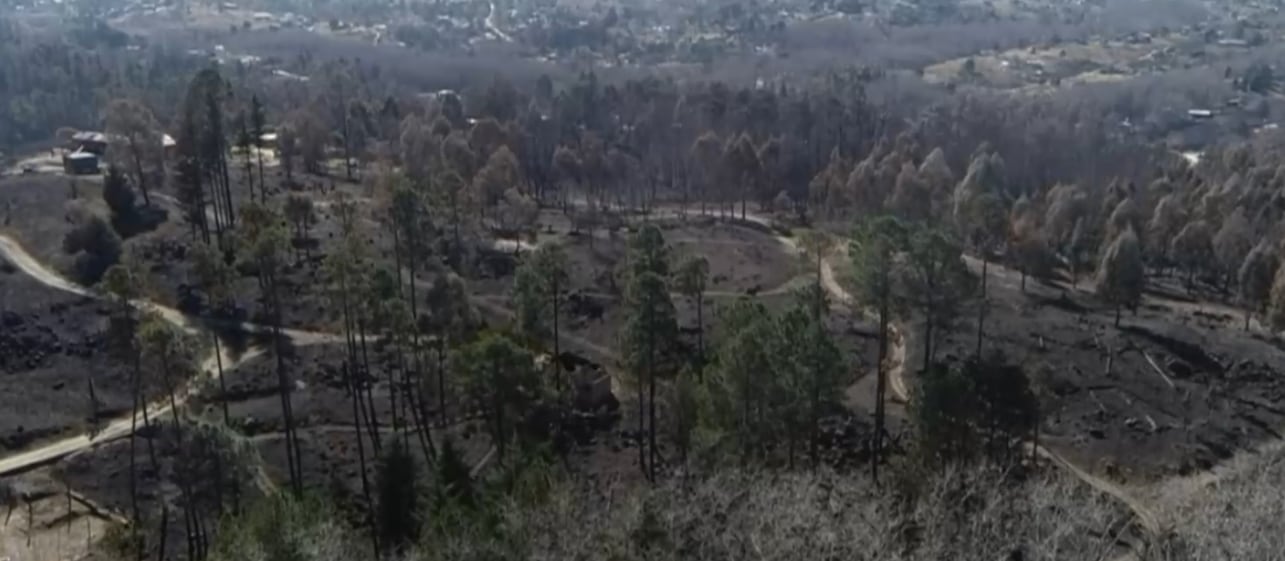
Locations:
(258, 122)
(808, 366)
(1192, 249)
(935, 281)
(454, 483)
(538, 292)
(743, 366)
(118, 196)
(263, 244)
(299, 212)
(244, 143)
(503, 379)
(1276, 306)
(1232, 243)
(131, 122)
(399, 509)
(215, 277)
(874, 249)
(1121, 278)
(344, 267)
(1255, 276)
(650, 330)
(691, 278)
(124, 283)
(215, 145)
(986, 223)
(190, 189)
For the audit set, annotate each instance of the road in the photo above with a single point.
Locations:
(490, 26)
(1000, 275)
(1145, 516)
(14, 253)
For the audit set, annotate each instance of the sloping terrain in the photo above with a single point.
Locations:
(1173, 389)
(53, 345)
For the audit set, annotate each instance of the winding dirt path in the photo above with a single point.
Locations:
(1146, 517)
(13, 252)
(490, 25)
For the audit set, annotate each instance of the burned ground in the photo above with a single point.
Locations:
(52, 344)
(1176, 388)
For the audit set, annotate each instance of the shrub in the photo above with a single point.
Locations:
(98, 247)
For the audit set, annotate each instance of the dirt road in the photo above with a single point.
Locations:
(490, 25)
(999, 275)
(1147, 518)
(13, 252)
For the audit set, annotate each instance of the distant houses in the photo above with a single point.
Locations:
(89, 141)
(80, 162)
(86, 149)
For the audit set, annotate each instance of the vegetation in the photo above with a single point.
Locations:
(1121, 275)
(96, 246)
(493, 396)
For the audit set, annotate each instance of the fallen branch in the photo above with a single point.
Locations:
(482, 463)
(95, 510)
(1158, 370)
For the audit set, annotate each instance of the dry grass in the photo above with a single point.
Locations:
(959, 516)
(964, 516)
(58, 529)
(979, 515)
(1237, 511)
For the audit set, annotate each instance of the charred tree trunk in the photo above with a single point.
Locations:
(373, 416)
(441, 379)
(136, 519)
(292, 443)
(815, 409)
(223, 385)
(981, 308)
(165, 533)
(881, 388)
(263, 187)
(354, 390)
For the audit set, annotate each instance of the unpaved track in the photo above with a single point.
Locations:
(490, 25)
(14, 253)
(1146, 518)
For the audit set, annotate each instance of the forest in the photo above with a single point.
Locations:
(335, 300)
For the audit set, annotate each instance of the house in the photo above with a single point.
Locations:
(80, 162)
(89, 141)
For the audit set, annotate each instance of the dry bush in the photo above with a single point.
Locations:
(1236, 511)
(979, 515)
